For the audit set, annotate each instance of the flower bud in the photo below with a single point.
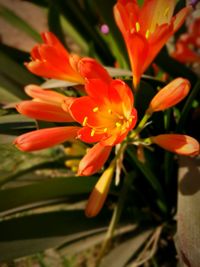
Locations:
(177, 143)
(170, 95)
(100, 192)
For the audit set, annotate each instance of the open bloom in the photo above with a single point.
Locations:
(146, 29)
(170, 95)
(188, 44)
(177, 143)
(52, 60)
(106, 119)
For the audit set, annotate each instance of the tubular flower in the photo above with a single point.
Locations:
(146, 29)
(93, 161)
(46, 105)
(100, 192)
(52, 60)
(44, 138)
(170, 95)
(106, 117)
(177, 143)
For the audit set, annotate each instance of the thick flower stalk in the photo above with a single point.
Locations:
(146, 29)
(51, 60)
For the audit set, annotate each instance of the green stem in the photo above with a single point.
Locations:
(140, 125)
(115, 217)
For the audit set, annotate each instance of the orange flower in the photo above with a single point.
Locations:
(186, 48)
(170, 95)
(100, 192)
(146, 29)
(52, 60)
(46, 105)
(106, 116)
(93, 161)
(44, 138)
(177, 143)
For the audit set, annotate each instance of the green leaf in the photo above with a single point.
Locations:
(31, 234)
(120, 255)
(115, 42)
(93, 240)
(18, 22)
(16, 54)
(5, 95)
(151, 178)
(47, 190)
(13, 124)
(18, 74)
(54, 23)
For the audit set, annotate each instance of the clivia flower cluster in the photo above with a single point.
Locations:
(105, 115)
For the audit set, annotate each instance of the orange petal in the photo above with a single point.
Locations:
(44, 138)
(97, 85)
(156, 41)
(89, 68)
(94, 160)
(155, 13)
(179, 18)
(100, 192)
(170, 95)
(138, 49)
(45, 95)
(85, 135)
(177, 143)
(43, 111)
(126, 13)
(83, 107)
(121, 97)
(50, 39)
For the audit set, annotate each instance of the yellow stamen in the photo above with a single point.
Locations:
(147, 34)
(109, 111)
(166, 13)
(95, 109)
(85, 121)
(92, 132)
(105, 130)
(137, 26)
(118, 124)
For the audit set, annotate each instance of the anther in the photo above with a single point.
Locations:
(137, 26)
(92, 132)
(95, 109)
(147, 34)
(105, 130)
(109, 111)
(166, 12)
(85, 121)
(118, 124)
